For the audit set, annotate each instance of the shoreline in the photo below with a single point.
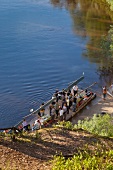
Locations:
(97, 106)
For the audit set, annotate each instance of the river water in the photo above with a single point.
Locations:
(45, 45)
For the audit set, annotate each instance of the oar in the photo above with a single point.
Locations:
(90, 85)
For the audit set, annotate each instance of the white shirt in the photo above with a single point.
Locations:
(64, 108)
(24, 123)
(75, 88)
(67, 100)
(52, 111)
(61, 112)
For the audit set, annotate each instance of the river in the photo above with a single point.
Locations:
(45, 45)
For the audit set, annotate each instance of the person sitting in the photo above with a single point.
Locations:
(36, 125)
(88, 93)
(42, 110)
(25, 125)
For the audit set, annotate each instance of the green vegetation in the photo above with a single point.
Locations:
(76, 148)
(111, 38)
(100, 125)
(86, 161)
(110, 3)
(99, 159)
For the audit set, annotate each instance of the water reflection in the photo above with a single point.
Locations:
(92, 20)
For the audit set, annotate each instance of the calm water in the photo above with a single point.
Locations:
(39, 52)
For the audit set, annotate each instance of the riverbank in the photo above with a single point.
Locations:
(29, 152)
(97, 106)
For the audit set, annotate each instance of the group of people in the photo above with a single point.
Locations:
(64, 101)
(60, 107)
(26, 127)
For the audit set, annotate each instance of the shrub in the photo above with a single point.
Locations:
(101, 125)
(84, 160)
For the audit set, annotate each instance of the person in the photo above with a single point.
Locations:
(42, 110)
(50, 108)
(25, 125)
(36, 125)
(74, 104)
(61, 111)
(111, 88)
(65, 111)
(75, 89)
(63, 102)
(53, 113)
(88, 93)
(67, 102)
(104, 91)
(56, 95)
(57, 109)
(63, 96)
(70, 100)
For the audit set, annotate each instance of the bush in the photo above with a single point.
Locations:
(101, 125)
(84, 161)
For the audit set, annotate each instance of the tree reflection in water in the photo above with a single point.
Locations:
(92, 20)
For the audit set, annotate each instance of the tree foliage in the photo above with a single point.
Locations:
(110, 3)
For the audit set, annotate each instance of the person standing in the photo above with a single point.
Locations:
(67, 102)
(104, 91)
(61, 111)
(57, 109)
(74, 104)
(42, 110)
(65, 111)
(111, 88)
(75, 89)
(53, 113)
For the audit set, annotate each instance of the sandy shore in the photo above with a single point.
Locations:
(96, 106)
